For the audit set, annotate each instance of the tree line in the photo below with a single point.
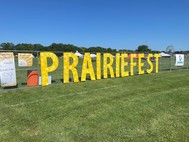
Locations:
(71, 48)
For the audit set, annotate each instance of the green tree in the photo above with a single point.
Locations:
(7, 46)
(143, 48)
(25, 46)
(125, 51)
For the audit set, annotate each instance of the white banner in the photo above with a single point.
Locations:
(7, 69)
(179, 60)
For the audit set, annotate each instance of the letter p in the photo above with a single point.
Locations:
(45, 69)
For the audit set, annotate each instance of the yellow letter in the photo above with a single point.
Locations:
(157, 61)
(150, 63)
(87, 68)
(123, 64)
(118, 65)
(108, 65)
(72, 67)
(98, 66)
(140, 64)
(44, 66)
(132, 64)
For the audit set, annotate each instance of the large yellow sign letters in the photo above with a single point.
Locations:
(121, 63)
(45, 69)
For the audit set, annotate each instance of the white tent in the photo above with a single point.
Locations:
(162, 54)
(79, 54)
(93, 55)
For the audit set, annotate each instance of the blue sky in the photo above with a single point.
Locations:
(119, 24)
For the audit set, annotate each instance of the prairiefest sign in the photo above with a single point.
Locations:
(87, 67)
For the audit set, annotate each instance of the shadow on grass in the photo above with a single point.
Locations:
(10, 87)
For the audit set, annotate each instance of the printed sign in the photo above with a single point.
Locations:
(7, 69)
(25, 59)
(179, 60)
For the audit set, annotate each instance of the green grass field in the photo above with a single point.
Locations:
(139, 108)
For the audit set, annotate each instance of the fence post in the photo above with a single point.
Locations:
(38, 67)
(187, 59)
(160, 65)
(170, 62)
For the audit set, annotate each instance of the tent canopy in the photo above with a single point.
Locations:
(93, 55)
(78, 54)
(162, 54)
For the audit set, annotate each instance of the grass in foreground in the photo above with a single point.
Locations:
(138, 108)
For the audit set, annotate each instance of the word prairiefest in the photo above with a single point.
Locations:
(70, 62)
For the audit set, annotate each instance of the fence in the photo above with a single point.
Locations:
(165, 64)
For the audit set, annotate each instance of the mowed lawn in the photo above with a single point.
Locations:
(139, 108)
